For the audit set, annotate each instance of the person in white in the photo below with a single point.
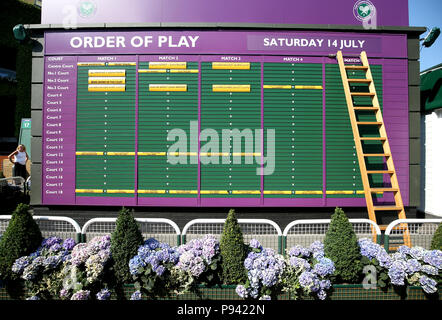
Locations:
(19, 158)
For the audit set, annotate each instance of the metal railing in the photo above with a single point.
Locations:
(420, 232)
(267, 232)
(163, 230)
(305, 232)
(50, 226)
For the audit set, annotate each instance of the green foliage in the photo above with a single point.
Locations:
(125, 241)
(233, 251)
(436, 242)
(341, 246)
(21, 238)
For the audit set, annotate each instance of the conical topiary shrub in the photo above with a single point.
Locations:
(21, 238)
(436, 242)
(341, 246)
(125, 241)
(233, 251)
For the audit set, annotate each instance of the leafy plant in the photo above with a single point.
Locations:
(341, 246)
(233, 251)
(436, 242)
(21, 237)
(151, 268)
(125, 241)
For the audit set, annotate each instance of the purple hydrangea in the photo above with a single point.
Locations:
(413, 266)
(104, 294)
(241, 291)
(255, 244)
(81, 295)
(69, 244)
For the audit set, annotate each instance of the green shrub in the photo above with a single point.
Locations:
(436, 242)
(233, 251)
(125, 241)
(21, 238)
(341, 246)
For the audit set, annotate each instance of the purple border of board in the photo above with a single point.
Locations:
(324, 12)
(381, 45)
(395, 96)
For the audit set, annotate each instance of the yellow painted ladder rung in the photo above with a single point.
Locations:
(363, 94)
(351, 67)
(359, 80)
(369, 123)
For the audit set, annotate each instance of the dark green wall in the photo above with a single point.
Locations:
(17, 57)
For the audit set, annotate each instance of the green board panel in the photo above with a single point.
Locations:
(164, 122)
(296, 117)
(342, 165)
(105, 123)
(238, 111)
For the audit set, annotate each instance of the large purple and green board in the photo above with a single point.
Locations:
(204, 118)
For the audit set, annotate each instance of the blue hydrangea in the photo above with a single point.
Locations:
(430, 270)
(324, 267)
(397, 272)
(299, 251)
(152, 243)
(413, 265)
(104, 294)
(428, 285)
(136, 295)
(417, 252)
(433, 258)
(241, 291)
(309, 281)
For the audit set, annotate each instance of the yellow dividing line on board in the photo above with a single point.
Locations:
(231, 88)
(167, 65)
(101, 153)
(231, 65)
(271, 86)
(309, 87)
(348, 192)
(103, 191)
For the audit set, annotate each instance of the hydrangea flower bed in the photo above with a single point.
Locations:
(413, 266)
(63, 269)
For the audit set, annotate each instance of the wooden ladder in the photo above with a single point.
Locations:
(381, 138)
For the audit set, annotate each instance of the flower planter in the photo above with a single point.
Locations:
(340, 292)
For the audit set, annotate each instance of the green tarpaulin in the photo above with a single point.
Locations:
(431, 88)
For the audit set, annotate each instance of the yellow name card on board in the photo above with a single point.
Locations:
(107, 73)
(152, 70)
(167, 65)
(90, 64)
(167, 87)
(231, 88)
(271, 86)
(107, 80)
(106, 87)
(121, 63)
(231, 65)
